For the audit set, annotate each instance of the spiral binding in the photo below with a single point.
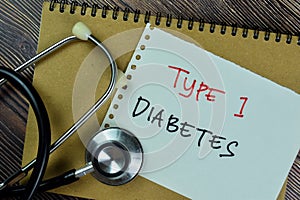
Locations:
(169, 20)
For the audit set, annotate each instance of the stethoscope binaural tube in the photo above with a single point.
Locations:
(81, 32)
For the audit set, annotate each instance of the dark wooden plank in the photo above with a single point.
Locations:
(19, 29)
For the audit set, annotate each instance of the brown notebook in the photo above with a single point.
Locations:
(55, 76)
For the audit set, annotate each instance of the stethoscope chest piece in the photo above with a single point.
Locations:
(116, 155)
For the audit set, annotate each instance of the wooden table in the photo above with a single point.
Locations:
(19, 31)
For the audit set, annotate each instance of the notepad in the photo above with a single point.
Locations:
(56, 78)
(209, 128)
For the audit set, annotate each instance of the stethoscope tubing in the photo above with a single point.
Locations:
(93, 109)
(24, 170)
(25, 87)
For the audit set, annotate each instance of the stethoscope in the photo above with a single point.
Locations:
(114, 155)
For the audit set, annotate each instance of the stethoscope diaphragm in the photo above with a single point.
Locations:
(116, 156)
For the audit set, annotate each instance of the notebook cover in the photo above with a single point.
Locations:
(55, 76)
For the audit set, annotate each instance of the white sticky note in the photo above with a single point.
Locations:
(209, 128)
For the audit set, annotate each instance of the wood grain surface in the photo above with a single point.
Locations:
(19, 31)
